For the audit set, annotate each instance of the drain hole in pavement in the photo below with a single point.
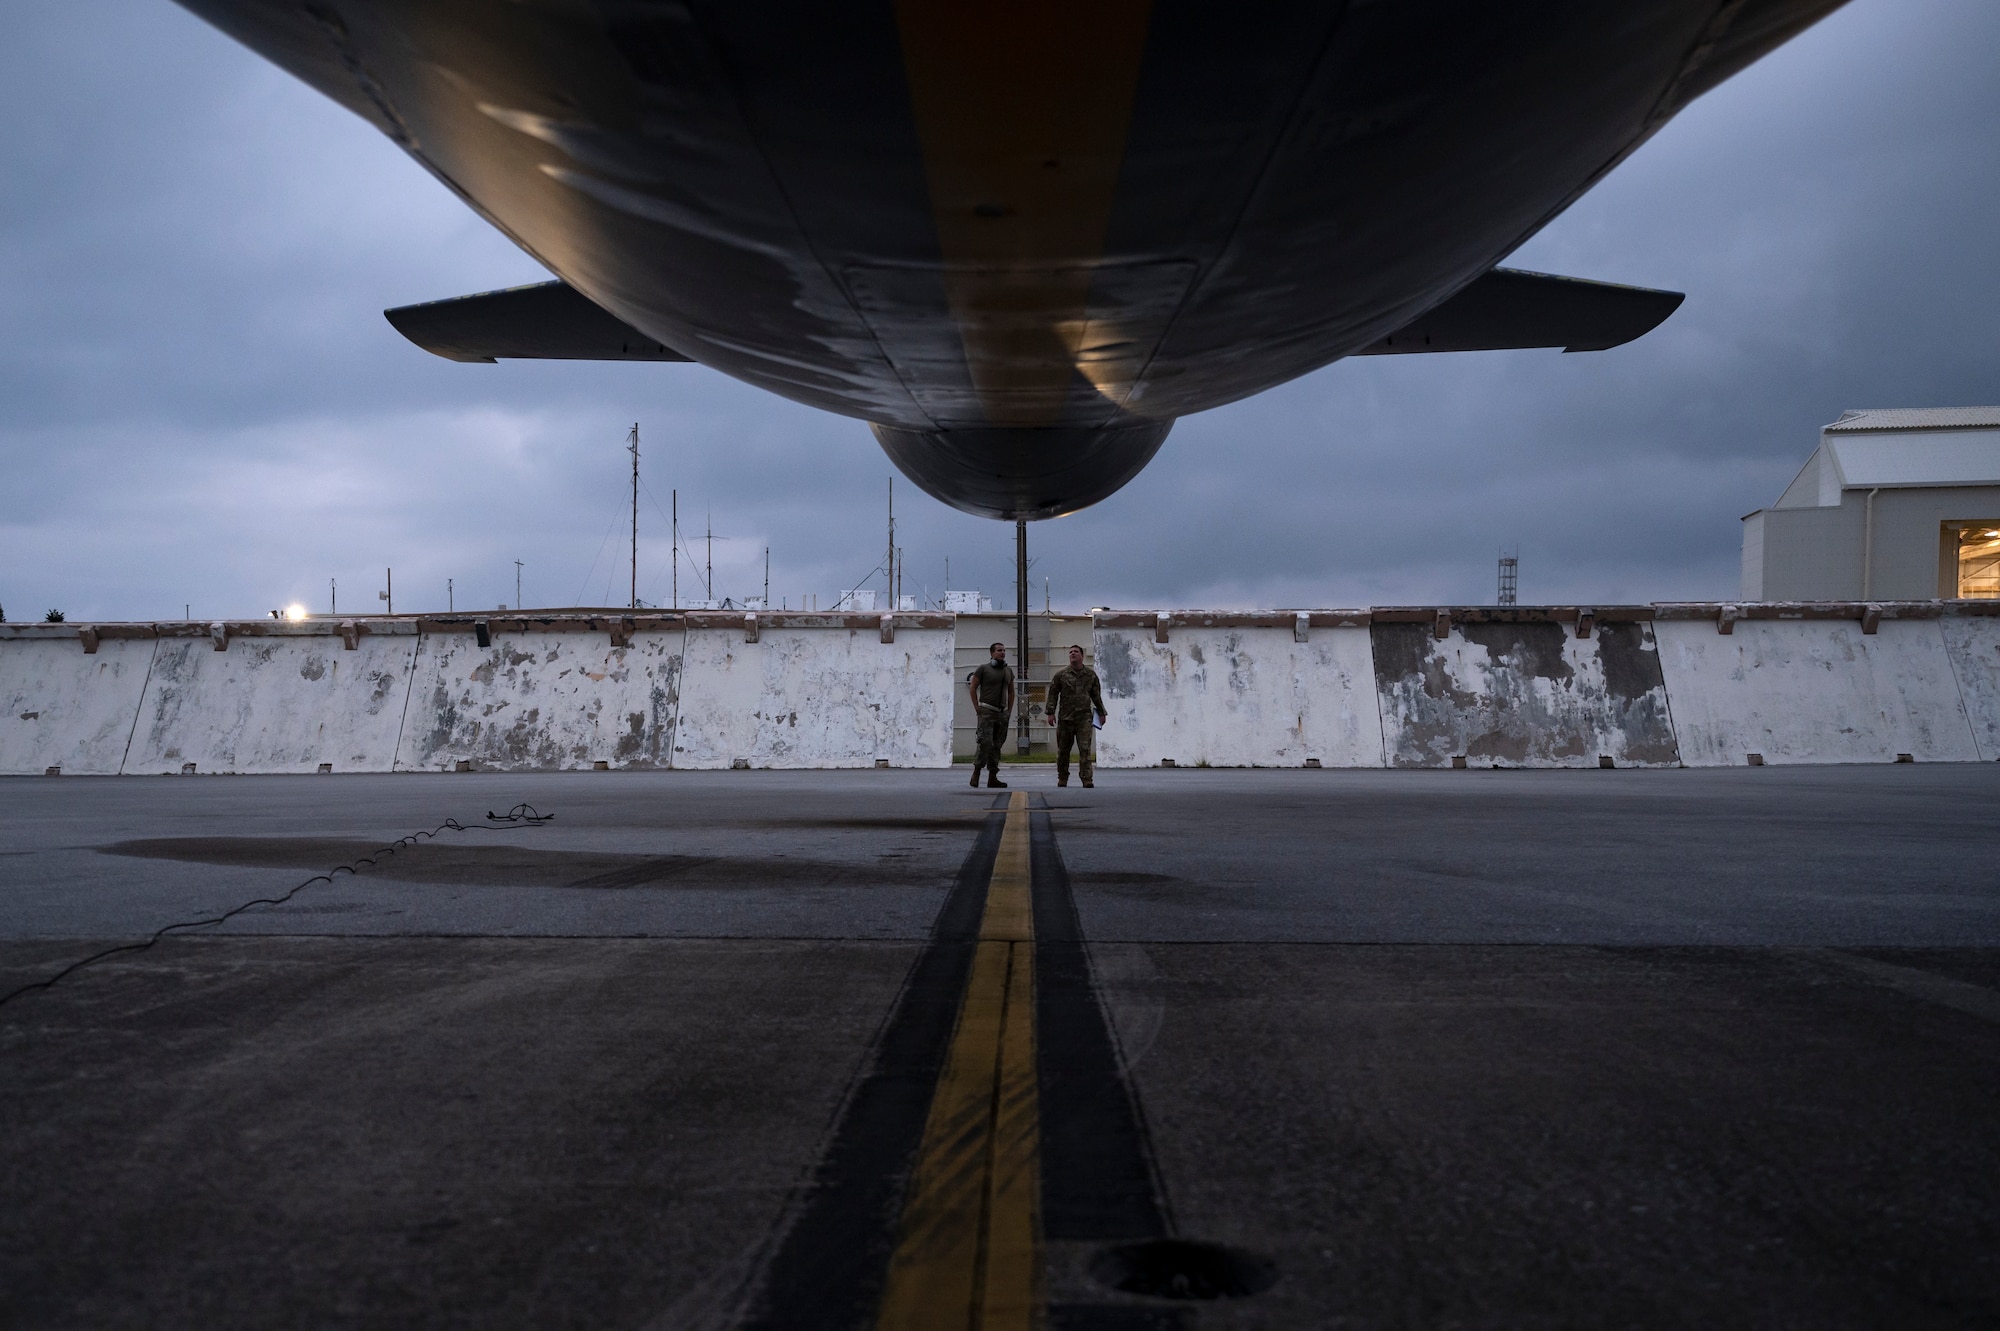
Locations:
(1182, 1269)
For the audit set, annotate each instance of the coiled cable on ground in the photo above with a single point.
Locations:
(521, 815)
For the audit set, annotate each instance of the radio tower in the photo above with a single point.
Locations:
(633, 447)
(1510, 567)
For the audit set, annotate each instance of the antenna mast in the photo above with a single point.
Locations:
(889, 568)
(634, 447)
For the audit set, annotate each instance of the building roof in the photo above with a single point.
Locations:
(1915, 459)
(1916, 418)
(1899, 448)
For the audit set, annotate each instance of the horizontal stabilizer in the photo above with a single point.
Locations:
(1508, 309)
(546, 321)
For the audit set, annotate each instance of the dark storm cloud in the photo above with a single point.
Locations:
(200, 402)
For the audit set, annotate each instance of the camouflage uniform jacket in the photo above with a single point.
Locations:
(996, 686)
(1074, 694)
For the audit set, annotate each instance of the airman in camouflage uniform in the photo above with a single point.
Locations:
(991, 685)
(1073, 695)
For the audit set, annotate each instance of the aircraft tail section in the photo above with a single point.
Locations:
(1509, 308)
(546, 321)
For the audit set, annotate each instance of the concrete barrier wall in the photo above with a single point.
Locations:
(544, 694)
(64, 708)
(1237, 690)
(288, 700)
(1812, 688)
(804, 690)
(1972, 642)
(1540, 687)
(1699, 685)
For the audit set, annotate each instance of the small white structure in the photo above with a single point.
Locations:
(1899, 504)
(967, 603)
(861, 599)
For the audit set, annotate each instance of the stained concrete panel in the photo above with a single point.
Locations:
(1813, 691)
(273, 704)
(541, 701)
(1522, 695)
(1237, 697)
(1973, 644)
(61, 707)
(816, 697)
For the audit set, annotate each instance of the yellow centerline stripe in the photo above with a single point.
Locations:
(969, 1251)
(1009, 913)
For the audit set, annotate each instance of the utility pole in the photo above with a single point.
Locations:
(450, 597)
(517, 584)
(767, 577)
(389, 594)
(708, 576)
(333, 596)
(675, 519)
(635, 515)
(1021, 627)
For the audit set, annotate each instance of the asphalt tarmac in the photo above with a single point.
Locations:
(1339, 1049)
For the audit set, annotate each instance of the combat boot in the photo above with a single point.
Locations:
(993, 781)
(1062, 778)
(975, 778)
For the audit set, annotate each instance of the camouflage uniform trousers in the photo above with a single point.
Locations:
(1076, 730)
(992, 739)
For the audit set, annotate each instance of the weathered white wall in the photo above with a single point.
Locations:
(274, 704)
(826, 691)
(815, 697)
(1973, 644)
(1522, 695)
(62, 708)
(541, 701)
(1237, 697)
(1812, 691)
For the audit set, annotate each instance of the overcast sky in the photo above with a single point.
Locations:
(201, 404)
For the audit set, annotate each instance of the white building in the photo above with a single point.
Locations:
(968, 603)
(1895, 505)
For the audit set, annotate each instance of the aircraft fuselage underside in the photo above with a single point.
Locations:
(1018, 239)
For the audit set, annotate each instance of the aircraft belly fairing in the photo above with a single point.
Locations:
(1021, 240)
